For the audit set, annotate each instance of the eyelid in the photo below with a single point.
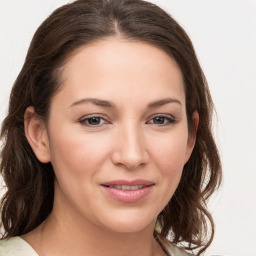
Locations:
(171, 118)
(83, 119)
(164, 115)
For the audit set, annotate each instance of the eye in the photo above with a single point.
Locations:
(93, 121)
(161, 120)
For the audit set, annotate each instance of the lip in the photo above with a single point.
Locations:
(128, 196)
(128, 182)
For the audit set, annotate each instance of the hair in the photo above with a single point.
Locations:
(185, 220)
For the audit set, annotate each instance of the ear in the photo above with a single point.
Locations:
(192, 136)
(36, 134)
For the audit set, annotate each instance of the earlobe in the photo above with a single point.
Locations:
(36, 134)
(192, 135)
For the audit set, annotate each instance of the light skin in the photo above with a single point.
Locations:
(120, 115)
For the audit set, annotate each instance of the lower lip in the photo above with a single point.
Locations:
(128, 196)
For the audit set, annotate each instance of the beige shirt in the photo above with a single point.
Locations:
(16, 246)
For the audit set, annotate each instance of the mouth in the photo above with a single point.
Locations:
(126, 187)
(128, 191)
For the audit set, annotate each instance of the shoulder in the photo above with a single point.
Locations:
(175, 251)
(16, 246)
(172, 249)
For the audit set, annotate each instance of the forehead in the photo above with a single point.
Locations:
(117, 66)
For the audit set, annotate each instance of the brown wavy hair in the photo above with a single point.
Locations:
(30, 183)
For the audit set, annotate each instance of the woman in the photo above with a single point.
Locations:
(108, 145)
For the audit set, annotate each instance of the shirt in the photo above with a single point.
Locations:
(17, 246)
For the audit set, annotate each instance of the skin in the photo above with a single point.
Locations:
(140, 132)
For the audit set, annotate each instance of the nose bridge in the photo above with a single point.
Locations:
(133, 138)
(131, 150)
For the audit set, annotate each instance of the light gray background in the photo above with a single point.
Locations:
(224, 36)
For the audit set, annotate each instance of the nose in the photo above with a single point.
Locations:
(130, 148)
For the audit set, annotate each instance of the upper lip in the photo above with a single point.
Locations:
(136, 182)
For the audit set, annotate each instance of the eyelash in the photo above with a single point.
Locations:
(85, 121)
(168, 120)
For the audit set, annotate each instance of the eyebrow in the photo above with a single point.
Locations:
(98, 102)
(162, 102)
(108, 104)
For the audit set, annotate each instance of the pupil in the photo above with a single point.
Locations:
(159, 120)
(94, 120)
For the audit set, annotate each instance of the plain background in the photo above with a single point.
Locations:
(224, 36)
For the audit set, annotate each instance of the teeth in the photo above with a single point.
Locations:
(125, 187)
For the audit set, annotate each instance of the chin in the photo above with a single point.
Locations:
(129, 222)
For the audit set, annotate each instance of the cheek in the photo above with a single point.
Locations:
(71, 146)
(169, 160)
(74, 155)
(77, 158)
(170, 153)
(75, 164)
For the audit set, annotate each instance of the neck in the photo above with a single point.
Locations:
(66, 233)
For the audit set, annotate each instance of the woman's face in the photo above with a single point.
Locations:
(117, 134)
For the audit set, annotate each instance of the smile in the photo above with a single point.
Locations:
(125, 187)
(128, 191)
